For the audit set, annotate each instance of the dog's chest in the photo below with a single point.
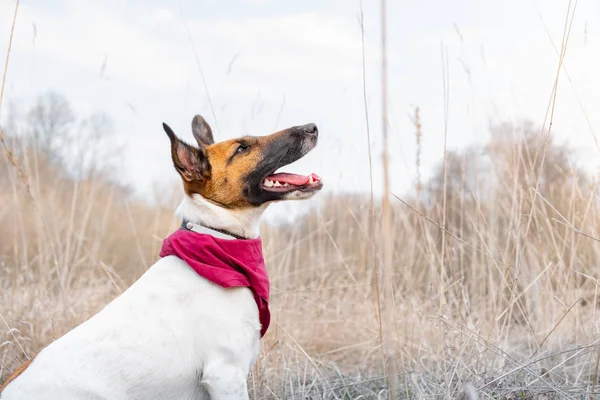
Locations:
(197, 319)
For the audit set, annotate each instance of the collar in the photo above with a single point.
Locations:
(218, 233)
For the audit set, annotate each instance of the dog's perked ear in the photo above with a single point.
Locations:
(202, 131)
(191, 162)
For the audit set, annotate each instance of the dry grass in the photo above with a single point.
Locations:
(495, 269)
(519, 316)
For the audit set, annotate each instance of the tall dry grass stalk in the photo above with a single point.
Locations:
(9, 153)
(386, 233)
(446, 92)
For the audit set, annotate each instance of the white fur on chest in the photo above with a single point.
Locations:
(172, 334)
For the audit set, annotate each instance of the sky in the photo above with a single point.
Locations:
(257, 66)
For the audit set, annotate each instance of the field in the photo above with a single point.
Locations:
(491, 291)
(495, 270)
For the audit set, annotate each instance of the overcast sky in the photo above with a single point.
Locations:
(272, 64)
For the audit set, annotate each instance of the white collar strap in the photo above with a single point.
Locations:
(190, 226)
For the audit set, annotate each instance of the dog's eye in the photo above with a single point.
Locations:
(242, 148)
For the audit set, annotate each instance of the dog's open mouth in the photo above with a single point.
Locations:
(283, 182)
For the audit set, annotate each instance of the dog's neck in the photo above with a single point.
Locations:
(240, 222)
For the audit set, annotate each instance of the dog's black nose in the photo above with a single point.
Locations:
(310, 129)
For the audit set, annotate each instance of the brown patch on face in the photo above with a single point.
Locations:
(15, 374)
(230, 163)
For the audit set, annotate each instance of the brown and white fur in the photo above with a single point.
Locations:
(173, 334)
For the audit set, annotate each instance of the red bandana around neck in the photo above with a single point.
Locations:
(228, 263)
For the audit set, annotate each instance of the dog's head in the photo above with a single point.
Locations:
(241, 173)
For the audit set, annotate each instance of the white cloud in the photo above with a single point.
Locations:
(158, 17)
(305, 47)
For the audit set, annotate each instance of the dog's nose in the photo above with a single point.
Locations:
(310, 129)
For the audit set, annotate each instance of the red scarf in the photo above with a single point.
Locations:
(228, 263)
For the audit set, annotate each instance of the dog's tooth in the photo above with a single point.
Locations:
(286, 184)
(268, 183)
(310, 180)
(277, 184)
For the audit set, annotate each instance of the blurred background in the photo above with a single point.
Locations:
(493, 181)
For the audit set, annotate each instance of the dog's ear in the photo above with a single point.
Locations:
(191, 162)
(202, 131)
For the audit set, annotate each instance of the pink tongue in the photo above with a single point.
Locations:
(293, 179)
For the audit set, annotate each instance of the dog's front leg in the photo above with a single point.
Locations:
(225, 382)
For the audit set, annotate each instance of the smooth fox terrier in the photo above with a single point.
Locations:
(190, 326)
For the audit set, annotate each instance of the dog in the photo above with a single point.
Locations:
(190, 326)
